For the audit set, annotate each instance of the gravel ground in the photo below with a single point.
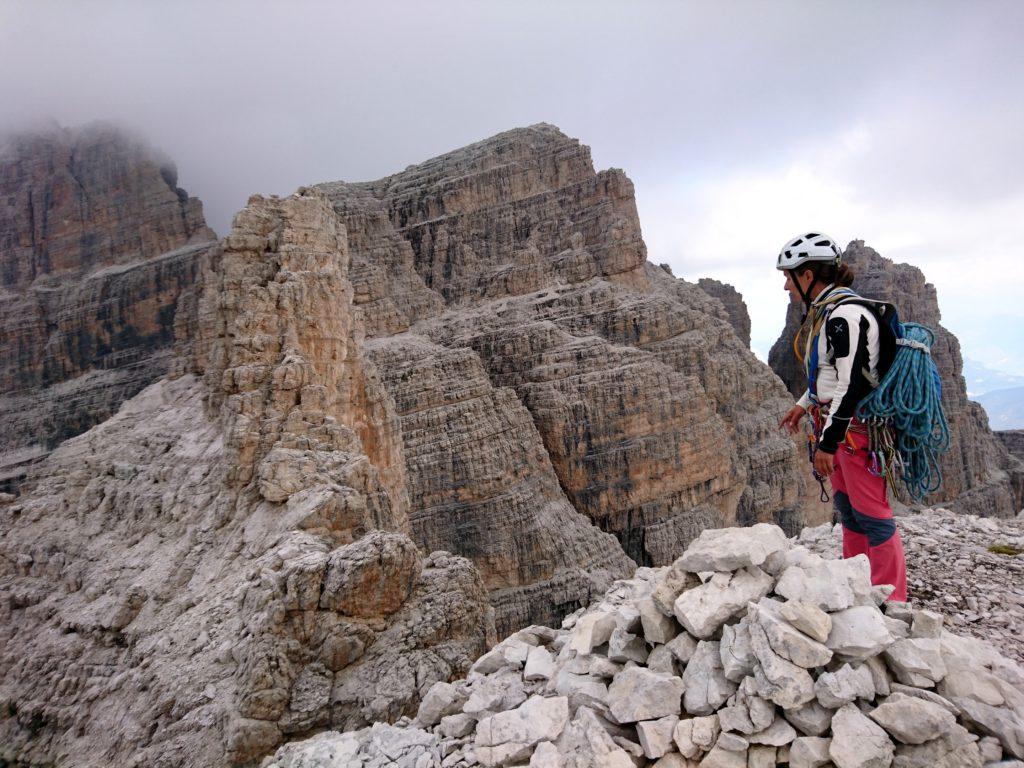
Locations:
(950, 569)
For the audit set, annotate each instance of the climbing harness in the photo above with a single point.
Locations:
(809, 357)
(907, 427)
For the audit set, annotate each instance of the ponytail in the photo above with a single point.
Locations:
(828, 273)
(844, 276)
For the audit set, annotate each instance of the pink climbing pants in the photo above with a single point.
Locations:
(868, 524)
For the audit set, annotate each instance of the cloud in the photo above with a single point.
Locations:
(732, 229)
(740, 123)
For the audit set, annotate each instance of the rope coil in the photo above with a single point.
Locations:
(907, 428)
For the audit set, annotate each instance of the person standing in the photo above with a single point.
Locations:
(842, 355)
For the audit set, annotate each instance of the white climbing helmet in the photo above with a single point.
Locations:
(813, 246)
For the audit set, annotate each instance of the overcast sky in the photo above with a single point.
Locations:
(740, 123)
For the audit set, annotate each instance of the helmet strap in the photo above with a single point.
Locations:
(803, 294)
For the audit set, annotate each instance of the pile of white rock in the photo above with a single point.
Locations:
(748, 651)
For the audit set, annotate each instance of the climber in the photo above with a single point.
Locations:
(842, 365)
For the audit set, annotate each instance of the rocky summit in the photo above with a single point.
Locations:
(97, 244)
(750, 650)
(550, 381)
(380, 426)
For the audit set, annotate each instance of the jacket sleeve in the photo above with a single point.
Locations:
(849, 332)
(805, 400)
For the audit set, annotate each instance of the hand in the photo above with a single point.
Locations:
(824, 463)
(791, 421)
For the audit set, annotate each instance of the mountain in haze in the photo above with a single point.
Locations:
(982, 378)
(97, 243)
(1001, 394)
(1005, 407)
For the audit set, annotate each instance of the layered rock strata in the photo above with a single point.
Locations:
(1013, 441)
(735, 307)
(97, 242)
(510, 265)
(224, 563)
(979, 475)
(548, 378)
(748, 651)
(483, 485)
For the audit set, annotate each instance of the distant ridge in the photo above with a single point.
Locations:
(1005, 407)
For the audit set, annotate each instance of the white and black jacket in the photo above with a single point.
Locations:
(848, 350)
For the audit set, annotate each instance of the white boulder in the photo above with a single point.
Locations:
(911, 720)
(704, 609)
(858, 742)
(585, 743)
(656, 735)
(832, 585)
(848, 683)
(809, 752)
(729, 549)
(916, 661)
(509, 736)
(705, 683)
(858, 633)
(778, 679)
(540, 664)
(639, 694)
(808, 618)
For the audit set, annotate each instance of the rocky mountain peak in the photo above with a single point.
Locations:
(80, 199)
(97, 243)
(227, 554)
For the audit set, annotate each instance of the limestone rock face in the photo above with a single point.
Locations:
(979, 476)
(735, 308)
(484, 486)
(565, 409)
(224, 564)
(507, 291)
(535, 397)
(97, 243)
(1013, 441)
(281, 354)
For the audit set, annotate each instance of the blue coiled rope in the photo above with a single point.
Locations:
(909, 399)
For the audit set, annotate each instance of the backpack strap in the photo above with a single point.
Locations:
(889, 332)
(819, 315)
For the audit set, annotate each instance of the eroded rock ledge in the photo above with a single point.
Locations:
(224, 563)
(550, 379)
